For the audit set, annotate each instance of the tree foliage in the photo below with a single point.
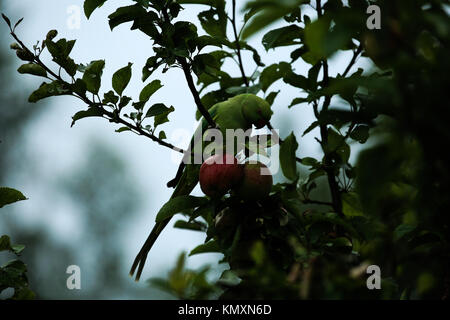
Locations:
(390, 209)
(13, 274)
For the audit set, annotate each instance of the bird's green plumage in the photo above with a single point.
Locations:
(239, 112)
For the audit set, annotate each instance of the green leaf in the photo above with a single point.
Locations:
(194, 226)
(256, 56)
(271, 97)
(110, 97)
(60, 52)
(360, 133)
(91, 5)
(126, 14)
(34, 69)
(308, 161)
(78, 87)
(298, 101)
(288, 160)
(205, 40)
(178, 204)
(163, 117)
(209, 247)
(124, 101)
(150, 66)
(149, 90)
(351, 206)
(55, 88)
(403, 230)
(157, 109)
(269, 12)
(9, 195)
(280, 37)
(323, 40)
(122, 129)
(121, 78)
(162, 135)
(311, 127)
(5, 245)
(296, 80)
(91, 112)
(23, 293)
(214, 21)
(8, 22)
(336, 143)
(93, 75)
(273, 73)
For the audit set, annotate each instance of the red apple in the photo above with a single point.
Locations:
(219, 173)
(255, 185)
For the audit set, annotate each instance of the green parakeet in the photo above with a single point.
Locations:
(240, 112)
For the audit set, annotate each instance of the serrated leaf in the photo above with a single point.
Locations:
(288, 160)
(177, 205)
(9, 195)
(121, 78)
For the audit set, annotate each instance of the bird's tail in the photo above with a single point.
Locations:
(184, 187)
(141, 257)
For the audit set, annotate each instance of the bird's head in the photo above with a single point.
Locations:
(256, 110)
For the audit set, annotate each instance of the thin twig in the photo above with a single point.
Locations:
(353, 60)
(238, 46)
(334, 186)
(204, 112)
